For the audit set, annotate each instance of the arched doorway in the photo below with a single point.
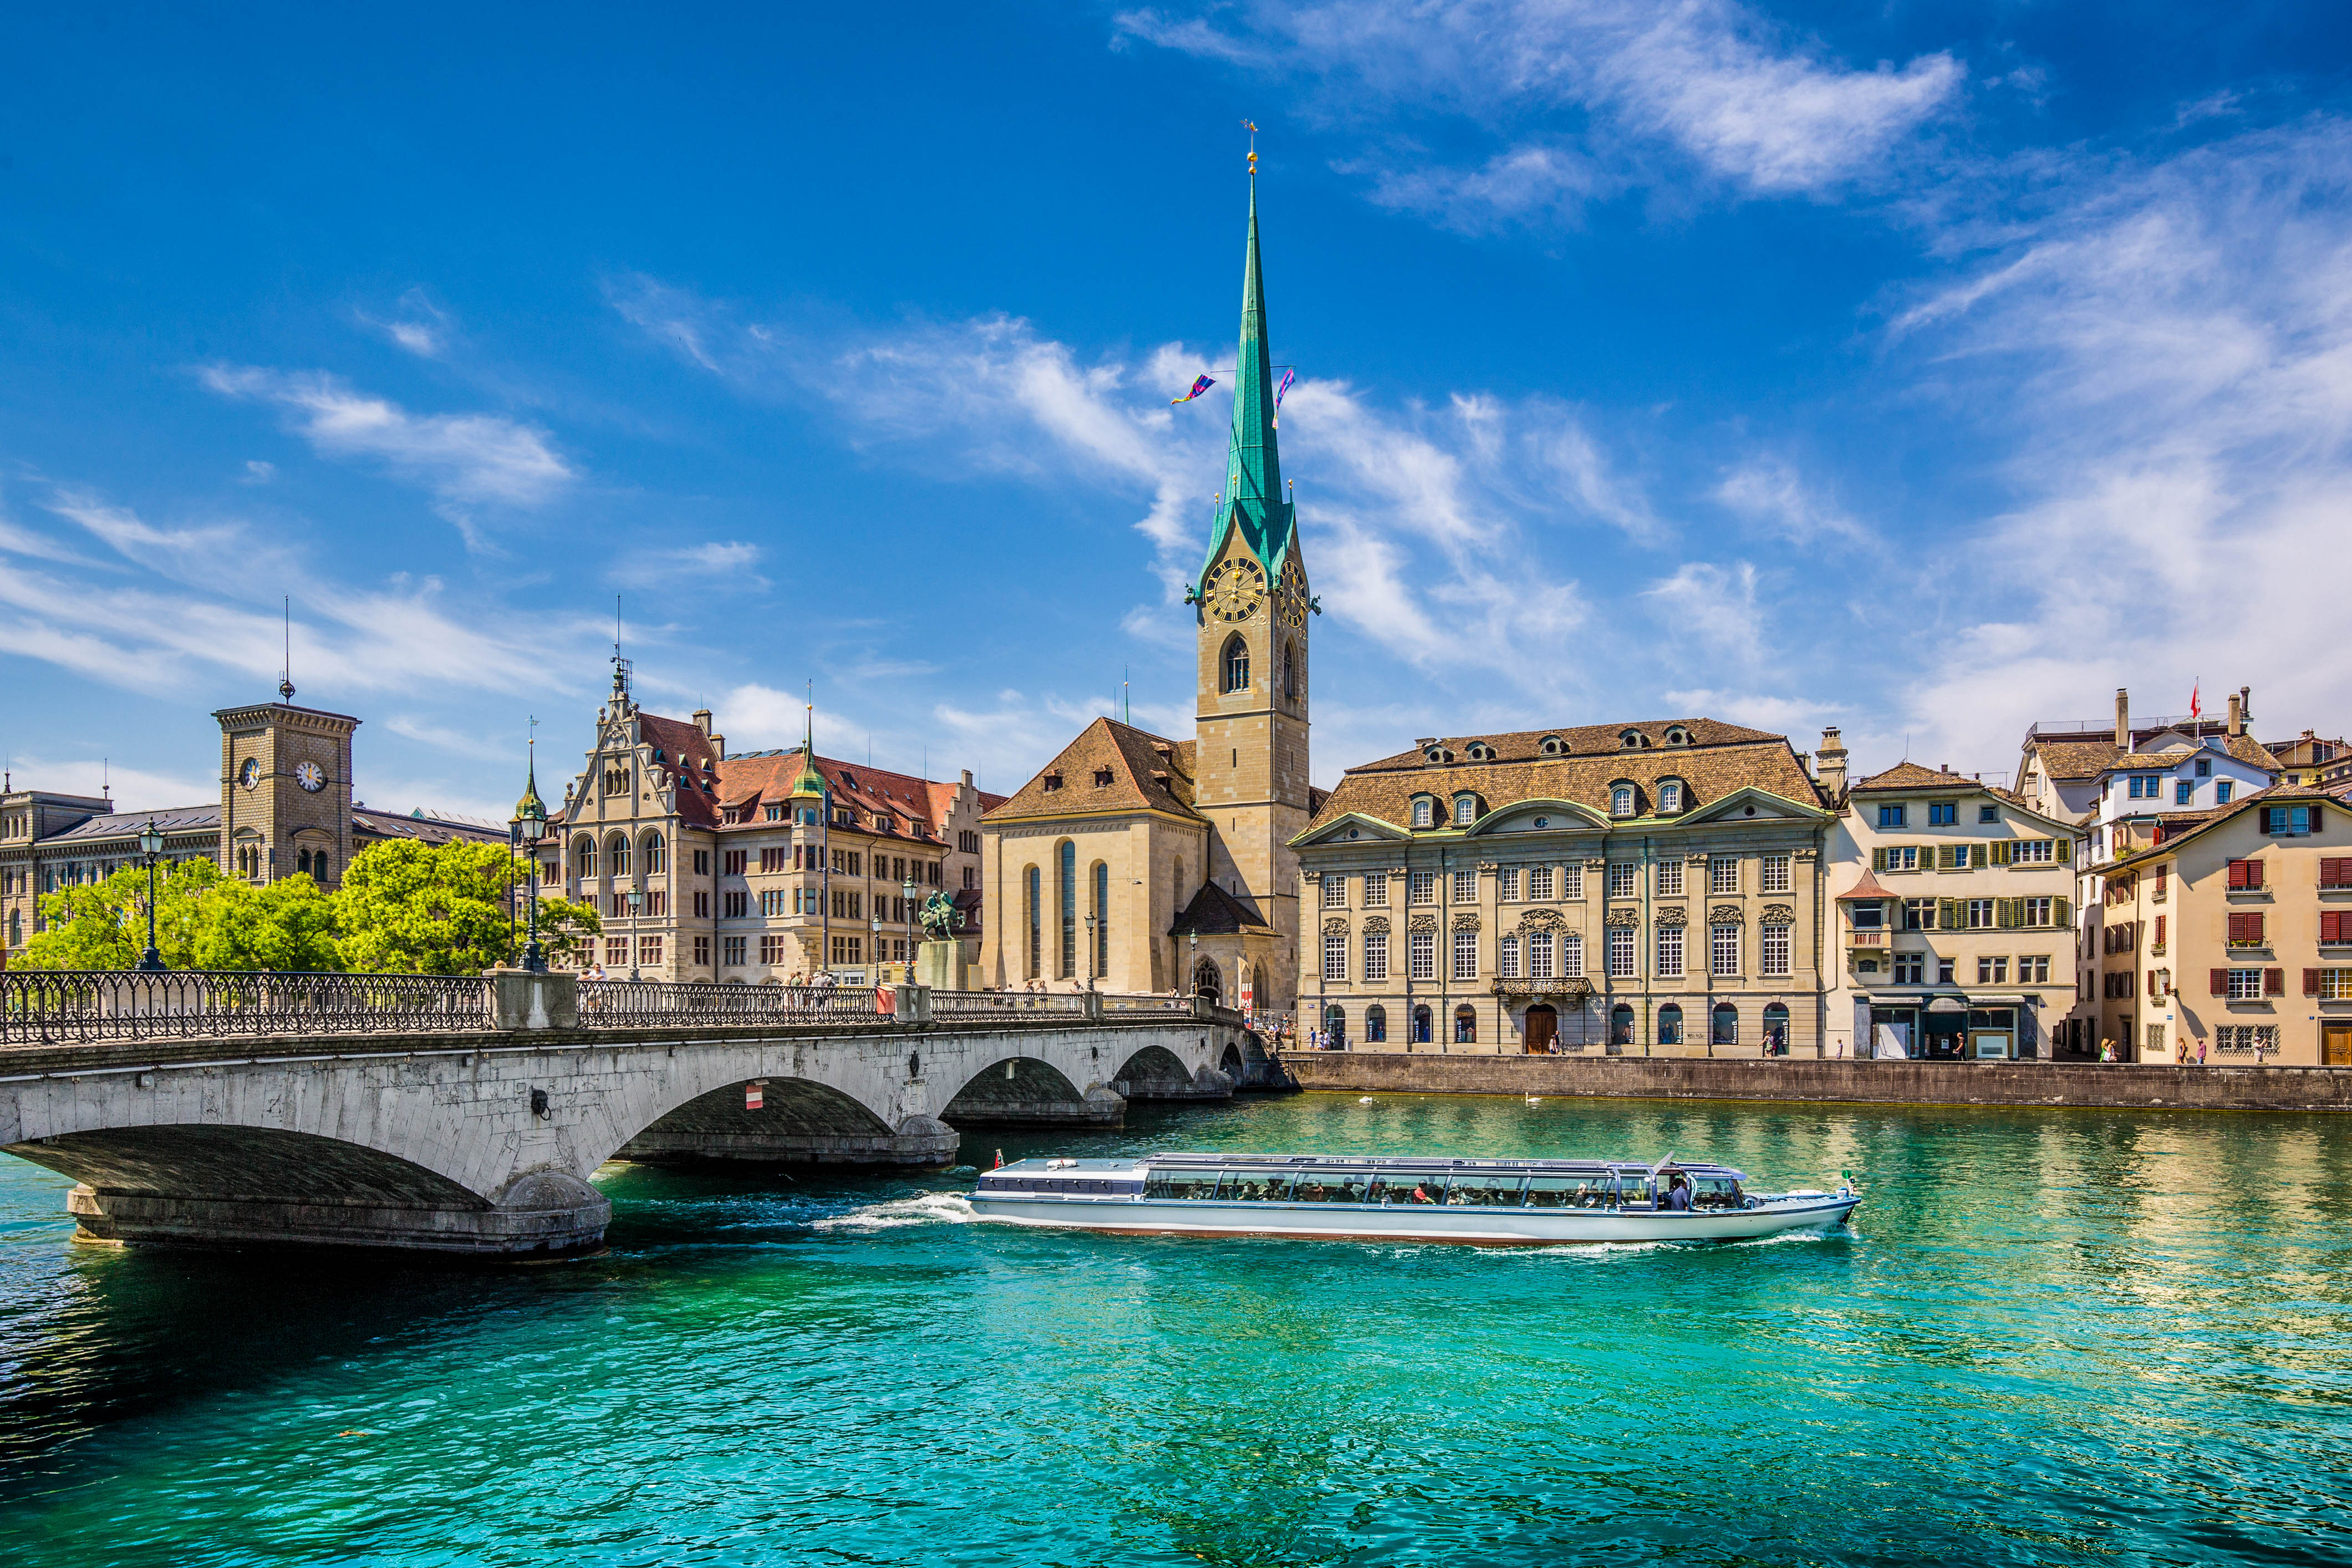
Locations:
(1726, 1025)
(1207, 981)
(1465, 1025)
(1335, 1025)
(1620, 1026)
(1670, 1024)
(1421, 1024)
(1776, 1029)
(1543, 1028)
(1376, 1024)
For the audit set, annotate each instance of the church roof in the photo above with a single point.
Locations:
(1254, 503)
(1108, 767)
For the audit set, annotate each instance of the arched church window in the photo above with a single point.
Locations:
(657, 854)
(1236, 663)
(1068, 881)
(1030, 890)
(1102, 918)
(616, 851)
(1290, 672)
(584, 856)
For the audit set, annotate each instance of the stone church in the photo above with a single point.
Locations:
(1138, 862)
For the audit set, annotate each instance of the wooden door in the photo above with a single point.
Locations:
(2335, 1045)
(1543, 1028)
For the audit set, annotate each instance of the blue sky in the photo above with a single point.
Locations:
(1922, 369)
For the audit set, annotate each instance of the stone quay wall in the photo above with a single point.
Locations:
(2290, 1089)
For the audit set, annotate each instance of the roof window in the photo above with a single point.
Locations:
(1634, 740)
(1479, 751)
(1552, 746)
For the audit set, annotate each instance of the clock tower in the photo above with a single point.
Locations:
(285, 791)
(1254, 606)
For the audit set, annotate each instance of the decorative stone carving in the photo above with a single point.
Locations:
(1727, 915)
(1490, 864)
(1779, 915)
(1334, 926)
(1542, 919)
(1466, 923)
(1673, 917)
(1423, 922)
(1808, 853)
(1625, 917)
(1378, 925)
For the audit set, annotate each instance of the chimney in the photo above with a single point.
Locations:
(967, 778)
(702, 719)
(2123, 719)
(1831, 755)
(719, 745)
(2246, 703)
(2237, 715)
(1805, 760)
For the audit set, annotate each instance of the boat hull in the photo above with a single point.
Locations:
(1467, 1227)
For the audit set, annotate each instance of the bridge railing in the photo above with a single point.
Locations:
(952, 1005)
(618, 1004)
(81, 1005)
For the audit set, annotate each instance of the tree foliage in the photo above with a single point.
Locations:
(404, 908)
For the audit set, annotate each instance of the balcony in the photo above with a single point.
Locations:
(1876, 941)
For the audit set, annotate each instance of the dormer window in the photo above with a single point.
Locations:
(1552, 746)
(1479, 751)
(1052, 781)
(1102, 778)
(1621, 801)
(1438, 754)
(1670, 793)
(1633, 740)
(1465, 810)
(775, 812)
(1677, 736)
(1424, 812)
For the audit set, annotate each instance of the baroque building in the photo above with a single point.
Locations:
(753, 866)
(1138, 862)
(1654, 887)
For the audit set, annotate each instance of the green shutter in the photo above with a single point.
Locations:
(2000, 914)
(1948, 914)
(1878, 859)
(2059, 906)
(2001, 852)
(1976, 857)
(2065, 850)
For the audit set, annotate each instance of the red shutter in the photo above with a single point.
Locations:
(2237, 873)
(2254, 927)
(2151, 983)
(2331, 925)
(2237, 930)
(2220, 982)
(2311, 983)
(2273, 981)
(2254, 873)
(2335, 872)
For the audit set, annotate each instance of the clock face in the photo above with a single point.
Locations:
(1292, 602)
(310, 776)
(1234, 590)
(249, 775)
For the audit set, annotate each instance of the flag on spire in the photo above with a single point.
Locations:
(1200, 385)
(1289, 375)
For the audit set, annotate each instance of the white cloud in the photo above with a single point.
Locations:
(464, 460)
(1582, 95)
(714, 566)
(1768, 492)
(257, 472)
(130, 788)
(1712, 607)
(419, 326)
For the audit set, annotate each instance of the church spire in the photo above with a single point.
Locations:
(1254, 502)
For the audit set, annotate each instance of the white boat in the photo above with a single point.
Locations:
(1484, 1203)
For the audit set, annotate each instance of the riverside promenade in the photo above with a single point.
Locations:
(2107, 1084)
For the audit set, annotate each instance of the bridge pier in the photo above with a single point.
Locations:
(558, 1214)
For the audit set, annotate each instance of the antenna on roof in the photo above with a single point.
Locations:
(106, 778)
(1125, 707)
(286, 670)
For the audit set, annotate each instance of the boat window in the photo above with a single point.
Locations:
(1410, 1188)
(1180, 1184)
(1253, 1187)
(1332, 1187)
(1591, 1191)
(1715, 1193)
(1489, 1189)
(1634, 1186)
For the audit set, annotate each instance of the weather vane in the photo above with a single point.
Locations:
(1251, 128)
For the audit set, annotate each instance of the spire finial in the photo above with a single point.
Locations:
(1252, 128)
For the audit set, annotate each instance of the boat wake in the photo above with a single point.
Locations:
(897, 1214)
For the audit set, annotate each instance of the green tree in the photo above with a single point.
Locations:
(416, 909)
(287, 924)
(104, 925)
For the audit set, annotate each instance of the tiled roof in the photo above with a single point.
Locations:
(1724, 759)
(2074, 758)
(1109, 766)
(1870, 886)
(422, 828)
(1216, 912)
(1585, 739)
(126, 824)
(2200, 822)
(1912, 776)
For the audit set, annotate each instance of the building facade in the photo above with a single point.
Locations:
(1125, 829)
(2233, 938)
(756, 867)
(1653, 888)
(1956, 919)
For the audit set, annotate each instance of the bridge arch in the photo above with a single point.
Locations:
(785, 1120)
(1027, 1092)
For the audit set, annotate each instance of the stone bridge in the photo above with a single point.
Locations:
(481, 1138)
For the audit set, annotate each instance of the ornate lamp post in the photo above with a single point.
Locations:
(909, 890)
(530, 825)
(1090, 952)
(151, 845)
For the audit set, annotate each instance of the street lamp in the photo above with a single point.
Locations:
(909, 890)
(1090, 952)
(530, 825)
(151, 845)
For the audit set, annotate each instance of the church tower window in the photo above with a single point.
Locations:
(1290, 672)
(1068, 881)
(1029, 895)
(1235, 664)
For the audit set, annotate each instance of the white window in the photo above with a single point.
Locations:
(2036, 911)
(1376, 955)
(1507, 884)
(1466, 955)
(1776, 873)
(1424, 815)
(1723, 874)
(1979, 914)
(1620, 952)
(2245, 985)
(1723, 950)
(1465, 810)
(1992, 971)
(1776, 949)
(1540, 956)
(1376, 890)
(1670, 952)
(1621, 801)
(1571, 954)
(1539, 884)
(1670, 797)
(2033, 969)
(2025, 852)
(1465, 887)
(2336, 985)
(1621, 878)
(1334, 957)
(1670, 878)
(1423, 955)
(1571, 881)
(1335, 893)
(1420, 888)
(1506, 958)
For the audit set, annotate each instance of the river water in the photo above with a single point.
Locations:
(2049, 1337)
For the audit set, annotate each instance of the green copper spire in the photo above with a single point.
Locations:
(811, 783)
(530, 808)
(1252, 501)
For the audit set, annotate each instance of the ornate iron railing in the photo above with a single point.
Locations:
(954, 1005)
(1184, 1006)
(77, 1006)
(622, 1003)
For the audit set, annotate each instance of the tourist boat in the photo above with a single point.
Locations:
(1490, 1203)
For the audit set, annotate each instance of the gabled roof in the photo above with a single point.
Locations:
(2196, 824)
(1868, 888)
(2074, 758)
(1108, 767)
(1216, 912)
(1913, 775)
(126, 824)
(420, 828)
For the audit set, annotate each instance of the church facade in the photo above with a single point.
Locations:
(1140, 862)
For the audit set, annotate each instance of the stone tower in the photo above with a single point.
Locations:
(1252, 610)
(285, 791)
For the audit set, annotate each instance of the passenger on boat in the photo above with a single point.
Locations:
(1678, 1195)
(1420, 1194)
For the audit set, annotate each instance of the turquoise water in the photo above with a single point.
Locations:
(2049, 1338)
